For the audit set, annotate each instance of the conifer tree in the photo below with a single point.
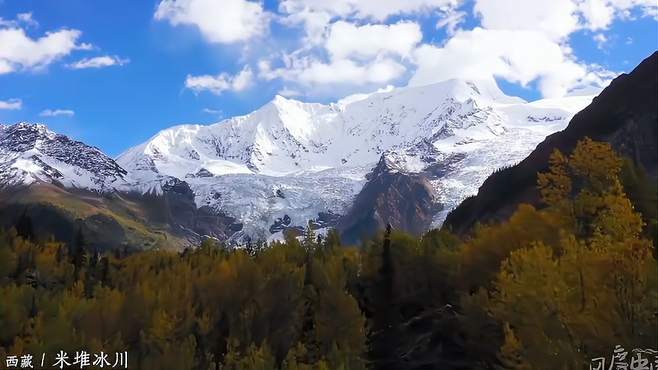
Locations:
(79, 254)
(24, 227)
(384, 330)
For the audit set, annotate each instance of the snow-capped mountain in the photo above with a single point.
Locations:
(294, 161)
(290, 162)
(31, 153)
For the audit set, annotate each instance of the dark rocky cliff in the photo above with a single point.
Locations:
(404, 200)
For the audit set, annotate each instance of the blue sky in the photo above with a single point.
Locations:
(113, 73)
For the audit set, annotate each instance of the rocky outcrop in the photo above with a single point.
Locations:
(404, 200)
(176, 207)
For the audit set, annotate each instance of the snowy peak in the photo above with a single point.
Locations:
(484, 90)
(32, 153)
(268, 140)
(286, 136)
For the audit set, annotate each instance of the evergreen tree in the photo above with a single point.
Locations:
(79, 254)
(384, 331)
(309, 242)
(24, 227)
(332, 241)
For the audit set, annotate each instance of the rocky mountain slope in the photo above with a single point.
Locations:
(624, 115)
(390, 196)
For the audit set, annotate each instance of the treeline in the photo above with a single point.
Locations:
(549, 289)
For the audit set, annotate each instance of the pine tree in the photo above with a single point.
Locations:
(310, 296)
(332, 241)
(24, 227)
(384, 331)
(79, 254)
(309, 243)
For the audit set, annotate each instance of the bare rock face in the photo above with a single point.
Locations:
(624, 115)
(176, 207)
(403, 200)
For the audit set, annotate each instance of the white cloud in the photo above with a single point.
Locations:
(517, 56)
(317, 15)
(451, 21)
(26, 18)
(315, 24)
(21, 19)
(367, 41)
(309, 72)
(224, 21)
(11, 104)
(288, 92)
(527, 41)
(214, 112)
(98, 62)
(598, 14)
(19, 51)
(57, 113)
(348, 57)
(600, 40)
(558, 18)
(363, 9)
(354, 45)
(220, 83)
(345, 71)
(555, 18)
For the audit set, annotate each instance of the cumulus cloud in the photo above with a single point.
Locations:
(99, 62)
(555, 18)
(517, 56)
(349, 40)
(316, 15)
(19, 51)
(312, 75)
(353, 45)
(11, 104)
(353, 55)
(364, 9)
(558, 18)
(345, 71)
(225, 21)
(222, 82)
(532, 45)
(57, 113)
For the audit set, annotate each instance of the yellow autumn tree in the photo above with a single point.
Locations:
(598, 288)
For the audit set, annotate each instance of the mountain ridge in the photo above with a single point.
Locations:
(300, 161)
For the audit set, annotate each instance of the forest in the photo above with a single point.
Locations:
(550, 288)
